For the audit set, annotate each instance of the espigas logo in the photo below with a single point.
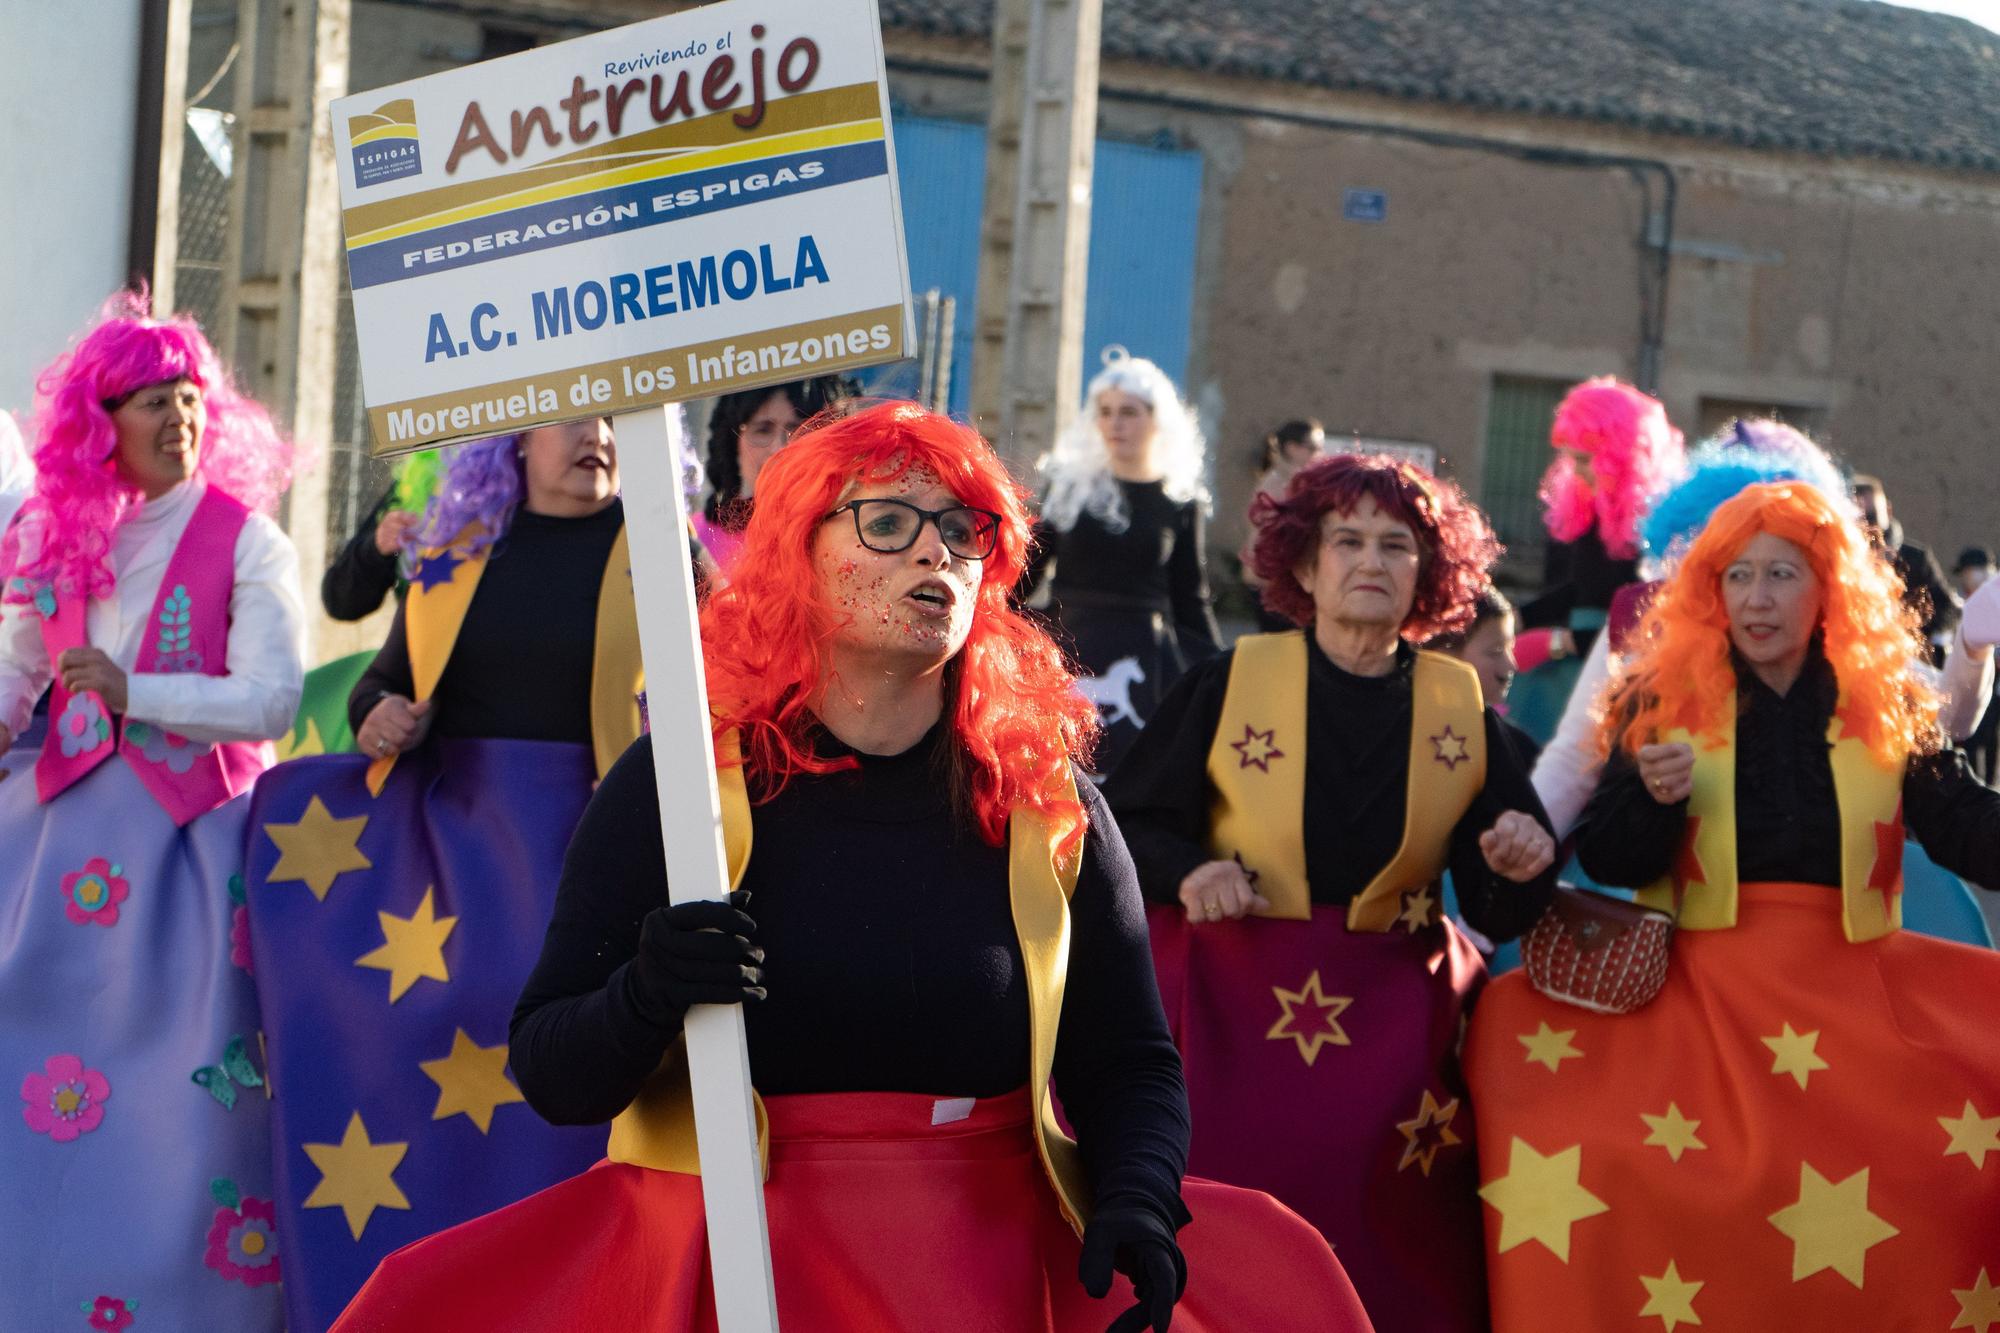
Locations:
(385, 143)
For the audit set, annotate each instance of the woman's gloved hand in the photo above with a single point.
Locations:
(695, 953)
(1137, 1242)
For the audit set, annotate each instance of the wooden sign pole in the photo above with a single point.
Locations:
(732, 1179)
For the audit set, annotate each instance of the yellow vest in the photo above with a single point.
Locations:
(657, 1129)
(433, 616)
(1870, 796)
(1257, 769)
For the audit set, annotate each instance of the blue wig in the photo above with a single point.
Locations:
(1742, 454)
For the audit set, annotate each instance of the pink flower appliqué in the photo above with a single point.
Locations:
(109, 1314)
(94, 892)
(239, 940)
(243, 1242)
(65, 1100)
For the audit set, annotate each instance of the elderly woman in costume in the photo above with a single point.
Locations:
(744, 432)
(1742, 454)
(934, 915)
(404, 887)
(1120, 544)
(1791, 1134)
(1291, 808)
(147, 592)
(1615, 450)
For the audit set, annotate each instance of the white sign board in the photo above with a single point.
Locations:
(680, 208)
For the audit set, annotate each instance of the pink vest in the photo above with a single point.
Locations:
(188, 632)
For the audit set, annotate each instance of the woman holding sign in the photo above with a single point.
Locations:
(934, 916)
(148, 594)
(404, 888)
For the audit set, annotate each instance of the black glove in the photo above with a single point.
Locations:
(1138, 1242)
(695, 953)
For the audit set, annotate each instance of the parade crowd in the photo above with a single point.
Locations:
(1422, 961)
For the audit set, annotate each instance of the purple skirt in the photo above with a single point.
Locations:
(1322, 1068)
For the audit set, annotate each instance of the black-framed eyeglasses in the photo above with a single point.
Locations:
(889, 526)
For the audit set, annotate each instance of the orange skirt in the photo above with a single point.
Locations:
(1799, 1133)
(880, 1222)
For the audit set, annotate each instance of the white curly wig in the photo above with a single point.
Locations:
(1076, 472)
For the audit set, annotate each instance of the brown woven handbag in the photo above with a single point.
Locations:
(1601, 953)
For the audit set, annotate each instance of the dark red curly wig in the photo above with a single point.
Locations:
(1457, 546)
(1012, 705)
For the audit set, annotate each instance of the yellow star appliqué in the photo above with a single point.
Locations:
(472, 1081)
(1973, 1134)
(1428, 1132)
(1549, 1047)
(1796, 1053)
(1670, 1298)
(1541, 1198)
(1418, 904)
(1830, 1226)
(1978, 1305)
(318, 849)
(1310, 1017)
(356, 1176)
(412, 947)
(1672, 1131)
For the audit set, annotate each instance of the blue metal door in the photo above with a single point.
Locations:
(1145, 212)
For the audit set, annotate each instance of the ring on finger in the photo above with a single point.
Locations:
(1211, 911)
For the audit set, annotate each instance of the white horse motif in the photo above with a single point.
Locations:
(1113, 691)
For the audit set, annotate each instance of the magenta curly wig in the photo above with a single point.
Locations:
(1631, 452)
(483, 484)
(1457, 546)
(64, 532)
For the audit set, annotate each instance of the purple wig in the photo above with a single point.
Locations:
(64, 533)
(483, 485)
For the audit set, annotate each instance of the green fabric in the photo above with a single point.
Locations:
(321, 725)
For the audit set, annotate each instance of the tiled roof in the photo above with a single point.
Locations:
(1839, 78)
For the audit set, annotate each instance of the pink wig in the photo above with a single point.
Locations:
(1631, 452)
(64, 533)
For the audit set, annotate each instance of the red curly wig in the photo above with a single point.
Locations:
(1457, 546)
(1013, 707)
(1680, 675)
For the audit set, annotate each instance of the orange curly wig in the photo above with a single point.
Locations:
(1681, 675)
(1013, 708)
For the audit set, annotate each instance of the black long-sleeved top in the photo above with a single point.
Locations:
(521, 667)
(360, 576)
(1787, 814)
(1357, 773)
(891, 964)
(1157, 561)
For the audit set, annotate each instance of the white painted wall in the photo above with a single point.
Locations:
(68, 107)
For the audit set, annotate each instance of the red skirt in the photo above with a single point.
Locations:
(879, 1221)
(1799, 1133)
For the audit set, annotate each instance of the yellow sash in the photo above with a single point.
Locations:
(434, 614)
(1257, 767)
(1870, 796)
(657, 1129)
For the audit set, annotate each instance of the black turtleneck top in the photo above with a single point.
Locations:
(521, 667)
(1357, 775)
(891, 963)
(1787, 815)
